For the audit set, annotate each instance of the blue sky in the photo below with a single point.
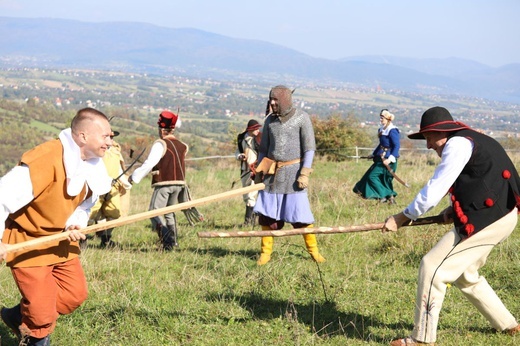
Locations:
(482, 30)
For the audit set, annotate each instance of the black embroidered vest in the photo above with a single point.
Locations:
(487, 188)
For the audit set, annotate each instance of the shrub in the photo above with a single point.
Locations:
(336, 133)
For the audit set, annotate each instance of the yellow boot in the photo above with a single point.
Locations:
(312, 246)
(267, 248)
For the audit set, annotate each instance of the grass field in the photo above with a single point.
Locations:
(211, 292)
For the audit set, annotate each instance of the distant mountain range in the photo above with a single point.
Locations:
(152, 49)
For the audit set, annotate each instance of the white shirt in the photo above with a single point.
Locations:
(16, 190)
(155, 155)
(454, 157)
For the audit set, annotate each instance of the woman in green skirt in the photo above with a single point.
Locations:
(377, 182)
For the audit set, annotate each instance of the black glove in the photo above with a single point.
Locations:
(259, 177)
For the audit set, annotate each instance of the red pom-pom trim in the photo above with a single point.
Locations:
(489, 202)
(469, 228)
(506, 174)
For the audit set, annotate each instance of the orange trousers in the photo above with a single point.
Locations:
(48, 292)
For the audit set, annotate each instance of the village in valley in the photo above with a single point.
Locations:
(196, 98)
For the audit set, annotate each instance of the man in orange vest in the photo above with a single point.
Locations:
(52, 190)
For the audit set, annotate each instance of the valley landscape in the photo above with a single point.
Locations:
(210, 291)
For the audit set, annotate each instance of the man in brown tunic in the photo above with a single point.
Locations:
(52, 190)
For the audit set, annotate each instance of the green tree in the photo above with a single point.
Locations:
(335, 134)
(511, 143)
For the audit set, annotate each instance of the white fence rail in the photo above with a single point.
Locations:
(358, 153)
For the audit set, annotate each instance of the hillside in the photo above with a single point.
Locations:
(38, 103)
(145, 48)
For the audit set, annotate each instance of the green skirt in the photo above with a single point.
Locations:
(377, 182)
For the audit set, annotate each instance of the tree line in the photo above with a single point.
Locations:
(21, 130)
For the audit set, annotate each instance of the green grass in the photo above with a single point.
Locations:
(45, 127)
(211, 292)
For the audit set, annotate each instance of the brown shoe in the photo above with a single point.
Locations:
(513, 331)
(409, 341)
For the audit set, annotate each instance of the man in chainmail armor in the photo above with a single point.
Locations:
(286, 154)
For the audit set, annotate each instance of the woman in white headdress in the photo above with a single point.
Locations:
(377, 182)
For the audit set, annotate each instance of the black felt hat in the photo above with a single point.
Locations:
(437, 119)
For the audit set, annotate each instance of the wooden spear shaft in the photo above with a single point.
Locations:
(317, 230)
(134, 218)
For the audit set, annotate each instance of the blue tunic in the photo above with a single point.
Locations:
(285, 140)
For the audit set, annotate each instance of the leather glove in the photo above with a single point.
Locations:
(303, 178)
(124, 181)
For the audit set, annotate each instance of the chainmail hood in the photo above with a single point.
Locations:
(284, 97)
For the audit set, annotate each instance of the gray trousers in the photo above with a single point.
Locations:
(164, 196)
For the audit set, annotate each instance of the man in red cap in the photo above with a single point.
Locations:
(484, 189)
(247, 152)
(166, 162)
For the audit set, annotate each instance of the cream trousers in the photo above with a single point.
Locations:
(457, 262)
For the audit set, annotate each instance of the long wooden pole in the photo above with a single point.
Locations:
(136, 217)
(316, 230)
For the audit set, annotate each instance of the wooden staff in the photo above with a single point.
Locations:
(318, 230)
(134, 218)
(396, 177)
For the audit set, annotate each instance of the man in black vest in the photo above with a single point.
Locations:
(483, 186)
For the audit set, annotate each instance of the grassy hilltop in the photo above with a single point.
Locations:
(211, 292)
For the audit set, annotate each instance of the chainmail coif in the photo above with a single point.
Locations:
(284, 96)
